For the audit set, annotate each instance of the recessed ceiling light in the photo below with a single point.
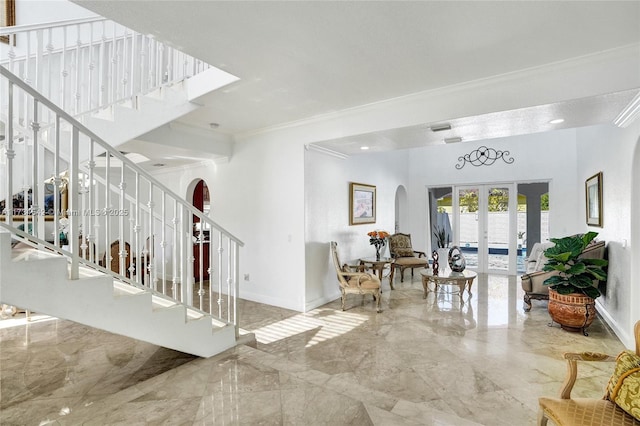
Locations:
(364, 148)
(557, 121)
(453, 140)
(440, 127)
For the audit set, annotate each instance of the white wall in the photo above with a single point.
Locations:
(39, 11)
(538, 157)
(286, 204)
(610, 150)
(258, 196)
(327, 213)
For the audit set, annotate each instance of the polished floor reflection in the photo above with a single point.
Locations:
(434, 361)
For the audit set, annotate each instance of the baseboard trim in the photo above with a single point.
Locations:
(321, 301)
(625, 338)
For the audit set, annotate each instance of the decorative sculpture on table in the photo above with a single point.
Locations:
(457, 263)
(435, 264)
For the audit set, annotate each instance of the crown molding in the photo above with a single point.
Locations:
(629, 114)
(326, 151)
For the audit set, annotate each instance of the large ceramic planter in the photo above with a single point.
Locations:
(574, 312)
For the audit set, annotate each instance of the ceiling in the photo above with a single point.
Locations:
(299, 60)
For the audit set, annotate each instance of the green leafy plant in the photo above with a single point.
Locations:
(442, 238)
(575, 274)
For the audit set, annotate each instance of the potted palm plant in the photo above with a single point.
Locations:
(442, 239)
(573, 290)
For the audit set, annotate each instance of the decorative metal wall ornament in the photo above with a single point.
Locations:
(484, 156)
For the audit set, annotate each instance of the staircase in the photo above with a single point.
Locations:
(103, 243)
(40, 281)
(101, 72)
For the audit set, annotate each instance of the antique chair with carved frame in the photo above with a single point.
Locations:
(405, 256)
(114, 263)
(619, 406)
(354, 282)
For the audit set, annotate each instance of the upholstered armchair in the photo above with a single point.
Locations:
(353, 282)
(534, 277)
(621, 402)
(405, 256)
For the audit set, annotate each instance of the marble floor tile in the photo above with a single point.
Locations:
(437, 360)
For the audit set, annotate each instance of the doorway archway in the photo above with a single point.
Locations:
(635, 233)
(200, 196)
(401, 220)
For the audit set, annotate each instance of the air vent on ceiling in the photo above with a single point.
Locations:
(440, 127)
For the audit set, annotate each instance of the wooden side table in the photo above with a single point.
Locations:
(379, 265)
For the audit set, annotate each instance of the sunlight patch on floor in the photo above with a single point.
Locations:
(328, 323)
(15, 322)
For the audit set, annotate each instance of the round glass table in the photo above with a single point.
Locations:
(462, 279)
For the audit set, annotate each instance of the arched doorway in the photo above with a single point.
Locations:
(635, 233)
(201, 199)
(401, 209)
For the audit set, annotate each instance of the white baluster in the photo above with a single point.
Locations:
(236, 288)
(72, 194)
(103, 65)
(77, 75)
(90, 230)
(63, 71)
(176, 246)
(56, 184)
(35, 182)
(107, 218)
(163, 244)
(123, 252)
(10, 154)
(151, 248)
(220, 251)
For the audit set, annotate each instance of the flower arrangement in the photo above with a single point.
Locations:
(378, 239)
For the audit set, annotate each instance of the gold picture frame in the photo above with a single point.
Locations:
(593, 194)
(7, 17)
(21, 207)
(362, 203)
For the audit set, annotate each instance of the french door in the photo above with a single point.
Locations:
(484, 226)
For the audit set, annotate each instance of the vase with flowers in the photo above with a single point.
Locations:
(379, 240)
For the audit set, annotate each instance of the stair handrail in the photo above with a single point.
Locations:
(186, 209)
(16, 29)
(108, 64)
(108, 148)
(38, 243)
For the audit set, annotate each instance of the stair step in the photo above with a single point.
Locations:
(38, 280)
(122, 289)
(24, 252)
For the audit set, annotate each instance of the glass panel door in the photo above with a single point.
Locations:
(498, 228)
(466, 224)
(484, 215)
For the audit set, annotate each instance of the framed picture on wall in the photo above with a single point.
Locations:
(7, 17)
(362, 203)
(593, 190)
(21, 206)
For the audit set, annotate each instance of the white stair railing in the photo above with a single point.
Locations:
(84, 65)
(78, 196)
